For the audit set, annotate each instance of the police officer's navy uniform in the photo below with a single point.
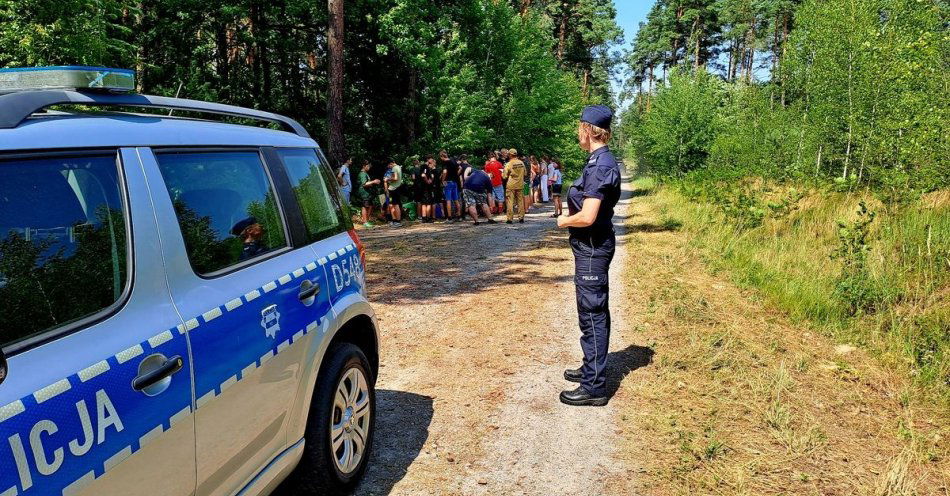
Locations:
(593, 248)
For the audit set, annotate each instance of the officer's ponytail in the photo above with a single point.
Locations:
(597, 134)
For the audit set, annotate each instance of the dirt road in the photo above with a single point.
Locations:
(478, 324)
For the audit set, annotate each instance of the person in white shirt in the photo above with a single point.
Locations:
(544, 180)
(557, 181)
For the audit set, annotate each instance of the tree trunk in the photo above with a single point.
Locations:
(650, 88)
(640, 102)
(696, 48)
(847, 155)
(775, 48)
(562, 34)
(738, 58)
(266, 66)
(750, 42)
(335, 101)
(413, 105)
(782, 57)
(696, 56)
(732, 49)
(222, 58)
(676, 40)
(252, 49)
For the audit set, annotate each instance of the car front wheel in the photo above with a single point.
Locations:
(339, 435)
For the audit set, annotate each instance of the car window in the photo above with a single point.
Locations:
(310, 180)
(226, 207)
(63, 242)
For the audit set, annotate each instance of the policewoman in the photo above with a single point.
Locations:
(591, 201)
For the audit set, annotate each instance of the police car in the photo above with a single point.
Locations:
(182, 300)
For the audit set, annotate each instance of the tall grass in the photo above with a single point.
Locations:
(887, 288)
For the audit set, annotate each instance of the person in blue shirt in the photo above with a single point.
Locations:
(590, 202)
(476, 190)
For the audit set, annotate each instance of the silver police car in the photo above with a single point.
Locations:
(182, 300)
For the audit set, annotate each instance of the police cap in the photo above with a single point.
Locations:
(598, 115)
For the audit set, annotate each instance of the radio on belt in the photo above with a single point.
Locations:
(67, 77)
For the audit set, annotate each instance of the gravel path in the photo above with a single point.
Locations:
(478, 324)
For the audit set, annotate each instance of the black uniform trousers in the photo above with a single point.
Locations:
(592, 257)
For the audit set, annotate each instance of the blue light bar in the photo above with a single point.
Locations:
(67, 77)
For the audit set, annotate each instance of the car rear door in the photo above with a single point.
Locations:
(87, 318)
(328, 223)
(250, 296)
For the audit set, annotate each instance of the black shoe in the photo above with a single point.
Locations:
(507, 222)
(521, 221)
(580, 397)
(573, 375)
(491, 221)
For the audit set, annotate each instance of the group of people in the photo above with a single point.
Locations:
(510, 180)
(514, 181)
(449, 188)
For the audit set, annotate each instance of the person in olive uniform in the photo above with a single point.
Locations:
(590, 202)
(514, 174)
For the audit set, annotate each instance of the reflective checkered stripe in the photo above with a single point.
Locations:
(345, 272)
(63, 436)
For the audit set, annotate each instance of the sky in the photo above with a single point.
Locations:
(629, 15)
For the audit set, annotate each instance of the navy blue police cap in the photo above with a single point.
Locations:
(598, 115)
(242, 225)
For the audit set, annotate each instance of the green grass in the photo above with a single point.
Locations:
(905, 311)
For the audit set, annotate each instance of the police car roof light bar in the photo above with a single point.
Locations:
(17, 106)
(67, 77)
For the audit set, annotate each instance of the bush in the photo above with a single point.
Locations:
(855, 286)
(676, 134)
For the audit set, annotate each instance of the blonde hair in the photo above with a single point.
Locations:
(596, 133)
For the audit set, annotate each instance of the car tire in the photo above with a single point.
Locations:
(320, 470)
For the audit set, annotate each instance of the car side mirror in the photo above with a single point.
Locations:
(3, 366)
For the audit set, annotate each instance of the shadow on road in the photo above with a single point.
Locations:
(623, 362)
(402, 427)
(422, 263)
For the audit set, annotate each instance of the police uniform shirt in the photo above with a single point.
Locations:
(601, 180)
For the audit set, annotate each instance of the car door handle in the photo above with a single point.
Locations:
(153, 377)
(308, 292)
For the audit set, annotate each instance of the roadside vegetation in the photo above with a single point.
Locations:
(816, 172)
(866, 275)
(741, 397)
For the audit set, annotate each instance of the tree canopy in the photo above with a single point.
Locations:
(469, 75)
(828, 89)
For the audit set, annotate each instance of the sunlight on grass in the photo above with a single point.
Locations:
(904, 311)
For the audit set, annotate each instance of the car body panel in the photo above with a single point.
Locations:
(247, 329)
(65, 391)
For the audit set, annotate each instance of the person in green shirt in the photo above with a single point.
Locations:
(365, 194)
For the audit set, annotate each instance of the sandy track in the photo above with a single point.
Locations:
(478, 325)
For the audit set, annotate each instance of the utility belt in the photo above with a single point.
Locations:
(599, 238)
